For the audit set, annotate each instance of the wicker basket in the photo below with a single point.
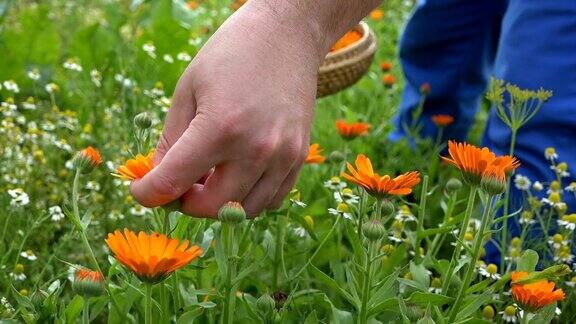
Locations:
(344, 67)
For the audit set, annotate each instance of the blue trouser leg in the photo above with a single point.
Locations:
(538, 49)
(451, 45)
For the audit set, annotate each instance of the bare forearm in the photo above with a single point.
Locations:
(325, 20)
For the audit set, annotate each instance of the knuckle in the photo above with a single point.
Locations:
(164, 186)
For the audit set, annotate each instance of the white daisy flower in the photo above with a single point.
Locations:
(342, 210)
(522, 182)
(300, 231)
(138, 210)
(52, 87)
(72, 65)
(346, 196)
(11, 86)
(29, 255)
(550, 154)
(335, 184)
(93, 185)
(29, 104)
(115, 215)
(19, 197)
(571, 187)
(56, 213)
(149, 49)
(96, 78)
(183, 56)
(489, 271)
(538, 186)
(568, 222)
(509, 314)
(18, 276)
(557, 241)
(33, 74)
(168, 58)
(526, 218)
(404, 214)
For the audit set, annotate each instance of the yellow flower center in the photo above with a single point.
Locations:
(550, 151)
(569, 218)
(510, 310)
(492, 268)
(557, 238)
(516, 242)
(554, 197)
(342, 208)
(347, 192)
(563, 166)
(335, 180)
(436, 283)
(19, 268)
(468, 237)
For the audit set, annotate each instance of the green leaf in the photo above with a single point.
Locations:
(324, 278)
(74, 309)
(385, 291)
(420, 274)
(339, 316)
(544, 315)
(474, 302)
(528, 261)
(190, 316)
(423, 299)
(382, 305)
(312, 318)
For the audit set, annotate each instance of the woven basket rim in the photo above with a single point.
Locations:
(368, 52)
(364, 29)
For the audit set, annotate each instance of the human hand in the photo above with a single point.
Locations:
(243, 108)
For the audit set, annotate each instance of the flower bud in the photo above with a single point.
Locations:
(266, 305)
(309, 221)
(373, 230)
(488, 312)
(232, 212)
(425, 88)
(143, 120)
(336, 157)
(38, 298)
(87, 159)
(453, 185)
(493, 185)
(88, 283)
(388, 208)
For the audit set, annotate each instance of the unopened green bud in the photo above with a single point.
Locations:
(143, 120)
(488, 312)
(373, 230)
(266, 305)
(493, 185)
(453, 185)
(88, 283)
(38, 298)
(336, 157)
(232, 212)
(388, 208)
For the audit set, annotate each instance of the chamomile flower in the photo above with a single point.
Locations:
(571, 187)
(568, 222)
(11, 86)
(295, 199)
(73, 64)
(346, 196)
(184, 57)
(341, 210)
(561, 169)
(149, 49)
(29, 255)
(9, 104)
(17, 276)
(33, 74)
(522, 182)
(509, 314)
(538, 186)
(404, 214)
(550, 154)
(29, 104)
(93, 185)
(490, 271)
(300, 231)
(572, 282)
(51, 87)
(168, 58)
(115, 215)
(335, 183)
(138, 210)
(56, 213)
(19, 197)
(564, 255)
(557, 241)
(554, 199)
(526, 218)
(96, 77)
(435, 286)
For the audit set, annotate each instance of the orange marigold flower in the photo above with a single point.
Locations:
(476, 163)
(377, 14)
(87, 159)
(315, 155)
(136, 168)
(442, 120)
(151, 257)
(389, 80)
(535, 295)
(351, 130)
(348, 39)
(377, 185)
(386, 66)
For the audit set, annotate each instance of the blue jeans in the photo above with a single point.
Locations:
(456, 45)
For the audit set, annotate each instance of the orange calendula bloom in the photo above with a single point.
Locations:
(351, 130)
(377, 14)
(151, 257)
(377, 185)
(92, 155)
(476, 163)
(442, 120)
(386, 66)
(136, 168)
(389, 80)
(535, 295)
(315, 155)
(348, 39)
(87, 274)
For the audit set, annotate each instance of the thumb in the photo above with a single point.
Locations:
(192, 156)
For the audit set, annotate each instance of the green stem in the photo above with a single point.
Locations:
(148, 304)
(86, 312)
(525, 318)
(463, 228)
(504, 237)
(486, 220)
(421, 215)
(367, 284)
(278, 253)
(227, 316)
